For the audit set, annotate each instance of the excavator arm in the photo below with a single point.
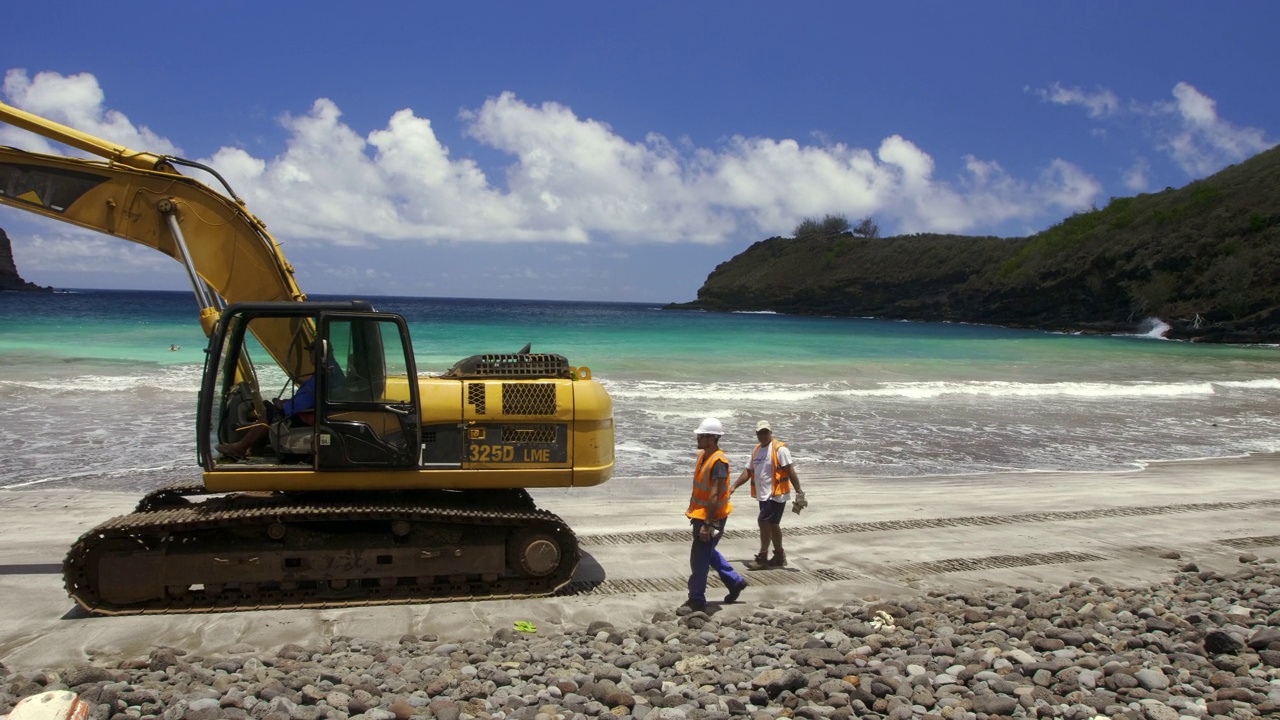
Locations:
(228, 253)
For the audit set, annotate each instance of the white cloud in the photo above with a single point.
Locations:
(1100, 103)
(579, 177)
(84, 251)
(1205, 143)
(771, 184)
(988, 195)
(571, 179)
(1136, 177)
(1187, 129)
(75, 101)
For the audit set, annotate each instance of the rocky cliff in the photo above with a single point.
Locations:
(9, 278)
(1205, 259)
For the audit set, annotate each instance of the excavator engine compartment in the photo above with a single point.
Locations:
(497, 420)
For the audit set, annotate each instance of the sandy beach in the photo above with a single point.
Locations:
(860, 538)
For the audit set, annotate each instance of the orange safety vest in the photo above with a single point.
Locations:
(705, 491)
(781, 478)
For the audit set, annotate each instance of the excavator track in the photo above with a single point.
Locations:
(170, 495)
(248, 552)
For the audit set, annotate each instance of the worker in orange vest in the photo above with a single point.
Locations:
(772, 476)
(709, 508)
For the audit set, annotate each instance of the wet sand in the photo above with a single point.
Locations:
(859, 538)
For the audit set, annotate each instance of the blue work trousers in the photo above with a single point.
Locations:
(704, 557)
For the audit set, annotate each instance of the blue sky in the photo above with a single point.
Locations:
(620, 151)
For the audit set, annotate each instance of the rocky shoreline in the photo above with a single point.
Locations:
(1203, 645)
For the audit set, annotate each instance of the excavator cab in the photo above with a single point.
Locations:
(347, 388)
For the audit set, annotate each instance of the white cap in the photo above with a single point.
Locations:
(763, 425)
(710, 426)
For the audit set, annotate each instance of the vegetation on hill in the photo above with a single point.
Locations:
(1205, 259)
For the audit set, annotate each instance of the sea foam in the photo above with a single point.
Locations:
(719, 392)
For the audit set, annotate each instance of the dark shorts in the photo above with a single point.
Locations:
(771, 511)
(302, 418)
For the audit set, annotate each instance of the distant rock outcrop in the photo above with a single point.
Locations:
(1202, 259)
(9, 278)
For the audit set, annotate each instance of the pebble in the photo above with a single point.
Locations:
(1202, 646)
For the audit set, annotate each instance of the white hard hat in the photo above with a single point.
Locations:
(710, 426)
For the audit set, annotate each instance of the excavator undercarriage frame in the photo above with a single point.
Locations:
(244, 552)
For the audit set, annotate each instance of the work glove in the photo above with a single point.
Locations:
(799, 504)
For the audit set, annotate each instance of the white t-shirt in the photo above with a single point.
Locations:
(762, 468)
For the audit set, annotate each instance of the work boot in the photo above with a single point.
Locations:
(760, 562)
(735, 591)
(231, 451)
(691, 606)
(779, 560)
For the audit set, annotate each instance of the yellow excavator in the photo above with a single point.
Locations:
(357, 482)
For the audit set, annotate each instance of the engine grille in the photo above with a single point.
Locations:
(528, 399)
(475, 396)
(544, 434)
(512, 365)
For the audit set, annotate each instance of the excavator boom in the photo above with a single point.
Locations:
(117, 154)
(140, 197)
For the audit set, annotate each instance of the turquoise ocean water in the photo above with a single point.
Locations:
(92, 396)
